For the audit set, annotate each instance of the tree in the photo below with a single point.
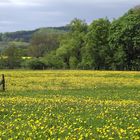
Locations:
(95, 52)
(13, 57)
(73, 62)
(70, 47)
(36, 64)
(42, 43)
(53, 61)
(125, 40)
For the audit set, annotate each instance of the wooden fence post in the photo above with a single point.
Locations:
(3, 86)
(2, 82)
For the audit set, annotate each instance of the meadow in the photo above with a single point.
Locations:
(70, 105)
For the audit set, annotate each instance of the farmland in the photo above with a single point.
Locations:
(70, 105)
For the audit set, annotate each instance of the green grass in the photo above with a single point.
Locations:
(98, 112)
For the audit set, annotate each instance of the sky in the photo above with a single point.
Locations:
(31, 14)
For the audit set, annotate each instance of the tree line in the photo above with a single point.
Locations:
(102, 45)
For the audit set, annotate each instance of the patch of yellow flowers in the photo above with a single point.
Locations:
(57, 80)
(69, 117)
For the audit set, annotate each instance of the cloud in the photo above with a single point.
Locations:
(20, 3)
(30, 14)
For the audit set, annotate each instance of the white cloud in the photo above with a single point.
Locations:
(30, 14)
(20, 3)
(28, 3)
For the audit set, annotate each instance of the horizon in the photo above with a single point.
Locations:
(22, 15)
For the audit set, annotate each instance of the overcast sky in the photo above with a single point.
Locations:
(31, 14)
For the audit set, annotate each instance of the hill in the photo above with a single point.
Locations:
(25, 36)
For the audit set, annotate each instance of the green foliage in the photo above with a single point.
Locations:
(96, 44)
(18, 44)
(70, 47)
(3, 62)
(87, 60)
(125, 40)
(53, 61)
(35, 64)
(17, 36)
(43, 42)
(25, 36)
(73, 62)
(102, 45)
(13, 57)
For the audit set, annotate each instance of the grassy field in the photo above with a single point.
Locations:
(70, 105)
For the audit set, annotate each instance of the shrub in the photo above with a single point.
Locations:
(35, 64)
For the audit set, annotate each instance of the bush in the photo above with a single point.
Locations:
(35, 64)
(53, 61)
(7, 63)
(73, 62)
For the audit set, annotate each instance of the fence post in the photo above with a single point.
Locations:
(3, 82)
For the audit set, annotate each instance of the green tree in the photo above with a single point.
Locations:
(73, 62)
(42, 43)
(70, 47)
(125, 40)
(13, 57)
(96, 50)
(53, 61)
(35, 64)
